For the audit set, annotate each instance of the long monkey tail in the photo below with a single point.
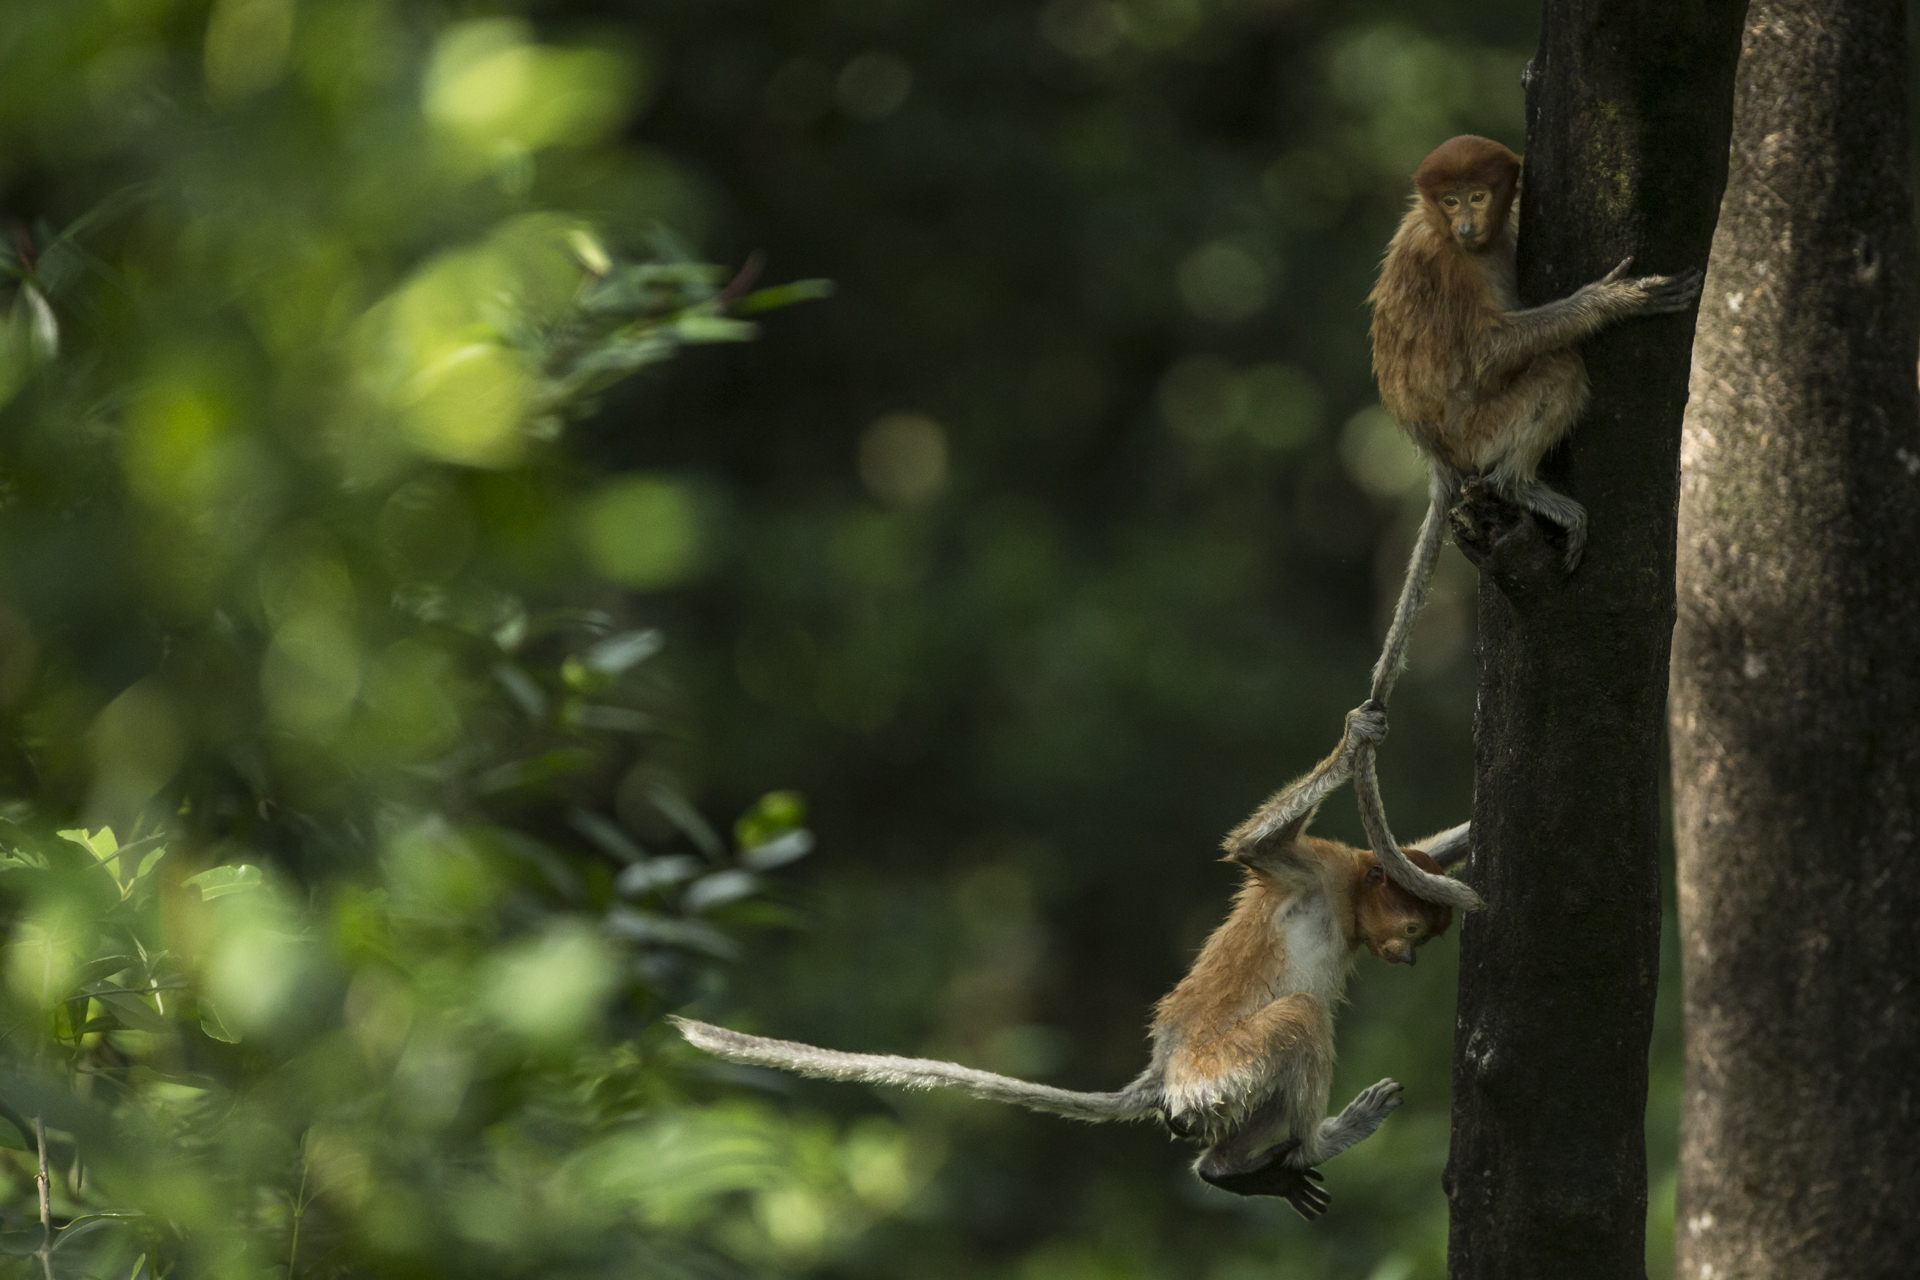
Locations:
(1393, 656)
(1135, 1102)
(1413, 592)
(1373, 816)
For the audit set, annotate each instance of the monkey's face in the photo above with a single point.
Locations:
(1469, 209)
(1393, 923)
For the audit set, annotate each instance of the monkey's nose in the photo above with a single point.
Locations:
(1408, 956)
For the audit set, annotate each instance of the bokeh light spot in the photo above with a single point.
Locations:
(1378, 455)
(500, 94)
(550, 988)
(1081, 28)
(642, 531)
(1223, 283)
(903, 458)
(247, 46)
(873, 85)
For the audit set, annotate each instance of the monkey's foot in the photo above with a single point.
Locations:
(1504, 539)
(1275, 1177)
(1367, 723)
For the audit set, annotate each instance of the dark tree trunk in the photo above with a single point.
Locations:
(1796, 689)
(1628, 108)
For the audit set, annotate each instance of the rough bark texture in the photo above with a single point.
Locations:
(1628, 108)
(1796, 688)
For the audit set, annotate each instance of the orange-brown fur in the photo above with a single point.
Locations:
(1437, 306)
(1235, 967)
(1243, 1046)
(1249, 1018)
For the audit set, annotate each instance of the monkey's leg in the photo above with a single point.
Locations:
(1249, 1164)
(1544, 500)
(1361, 1117)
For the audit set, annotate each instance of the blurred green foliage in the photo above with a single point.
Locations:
(340, 560)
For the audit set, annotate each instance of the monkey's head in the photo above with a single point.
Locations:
(1468, 183)
(1392, 921)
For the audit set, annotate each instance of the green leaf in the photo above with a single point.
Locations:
(134, 1013)
(149, 862)
(693, 935)
(527, 773)
(772, 816)
(11, 1138)
(710, 328)
(780, 850)
(675, 808)
(221, 881)
(718, 889)
(21, 1244)
(99, 844)
(630, 648)
(783, 295)
(90, 1223)
(98, 970)
(211, 1024)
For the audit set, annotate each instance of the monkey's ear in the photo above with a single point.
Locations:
(1376, 875)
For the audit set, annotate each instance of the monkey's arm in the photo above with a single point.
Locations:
(1519, 336)
(1277, 825)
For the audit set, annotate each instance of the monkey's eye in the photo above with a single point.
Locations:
(1478, 197)
(1452, 202)
(1412, 928)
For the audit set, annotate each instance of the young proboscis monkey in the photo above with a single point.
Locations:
(1243, 1047)
(1483, 386)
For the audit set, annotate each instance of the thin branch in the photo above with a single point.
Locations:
(45, 1181)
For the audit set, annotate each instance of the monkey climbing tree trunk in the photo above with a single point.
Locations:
(1796, 685)
(1628, 105)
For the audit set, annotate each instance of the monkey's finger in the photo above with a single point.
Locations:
(1315, 1174)
(1310, 1202)
(1619, 272)
(1670, 293)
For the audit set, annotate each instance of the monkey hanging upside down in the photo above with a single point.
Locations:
(1243, 1046)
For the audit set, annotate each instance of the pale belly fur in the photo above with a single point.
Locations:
(1317, 955)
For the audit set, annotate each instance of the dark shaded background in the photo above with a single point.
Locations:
(1034, 559)
(1118, 256)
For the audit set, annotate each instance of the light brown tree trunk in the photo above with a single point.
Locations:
(1796, 682)
(1628, 115)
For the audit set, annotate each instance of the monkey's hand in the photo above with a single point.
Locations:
(1366, 726)
(1652, 295)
